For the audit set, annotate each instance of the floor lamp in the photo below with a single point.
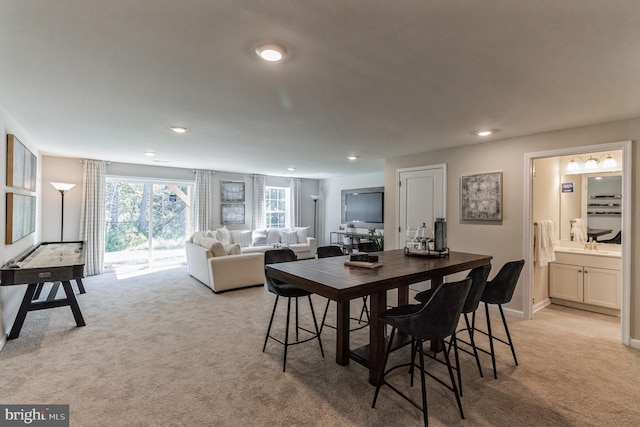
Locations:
(62, 188)
(315, 198)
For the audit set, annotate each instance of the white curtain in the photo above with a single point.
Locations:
(92, 215)
(203, 201)
(258, 214)
(294, 211)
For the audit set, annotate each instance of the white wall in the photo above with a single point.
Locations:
(329, 204)
(11, 296)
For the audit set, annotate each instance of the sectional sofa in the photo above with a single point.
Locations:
(225, 259)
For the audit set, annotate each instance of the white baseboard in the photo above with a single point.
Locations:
(634, 343)
(3, 341)
(540, 305)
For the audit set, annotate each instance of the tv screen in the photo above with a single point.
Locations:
(364, 207)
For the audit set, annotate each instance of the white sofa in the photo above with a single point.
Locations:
(221, 267)
(225, 259)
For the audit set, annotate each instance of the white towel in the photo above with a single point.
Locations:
(579, 230)
(543, 248)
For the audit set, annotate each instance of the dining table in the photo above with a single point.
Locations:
(332, 279)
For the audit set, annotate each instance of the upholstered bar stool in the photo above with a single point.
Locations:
(500, 291)
(478, 278)
(281, 289)
(434, 320)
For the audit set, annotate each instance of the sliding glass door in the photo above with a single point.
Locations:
(147, 222)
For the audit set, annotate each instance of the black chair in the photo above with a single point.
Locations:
(615, 239)
(433, 321)
(367, 247)
(478, 278)
(499, 291)
(281, 289)
(331, 251)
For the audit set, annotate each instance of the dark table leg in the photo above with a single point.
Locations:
(73, 303)
(80, 286)
(342, 333)
(22, 312)
(435, 346)
(377, 335)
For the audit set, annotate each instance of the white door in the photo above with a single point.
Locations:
(421, 198)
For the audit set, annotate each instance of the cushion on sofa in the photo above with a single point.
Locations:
(273, 236)
(259, 238)
(196, 238)
(289, 237)
(224, 235)
(241, 237)
(303, 233)
(232, 249)
(214, 245)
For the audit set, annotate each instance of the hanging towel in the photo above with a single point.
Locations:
(543, 248)
(579, 230)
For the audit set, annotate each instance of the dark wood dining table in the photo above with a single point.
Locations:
(330, 278)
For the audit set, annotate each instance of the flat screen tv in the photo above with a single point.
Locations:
(363, 207)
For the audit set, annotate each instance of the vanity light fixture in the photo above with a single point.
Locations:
(271, 52)
(592, 163)
(179, 129)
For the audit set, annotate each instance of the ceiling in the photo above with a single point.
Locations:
(376, 79)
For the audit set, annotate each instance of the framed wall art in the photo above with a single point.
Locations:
(20, 216)
(481, 197)
(21, 165)
(232, 213)
(231, 191)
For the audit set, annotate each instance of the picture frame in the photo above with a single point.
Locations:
(481, 197)
(20, 216)
(232, 213)
(22, 165)
(232, 191)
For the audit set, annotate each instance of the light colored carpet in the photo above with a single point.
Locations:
(161, 349)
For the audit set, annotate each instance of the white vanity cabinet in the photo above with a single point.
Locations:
(586, 279)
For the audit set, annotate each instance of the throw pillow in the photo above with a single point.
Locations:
(223, 235)
(302, 234)
(197, 237)
(289, 237)
(241, 237)
(273, 236)
(214, 245)
(232, 249)
(259, 238)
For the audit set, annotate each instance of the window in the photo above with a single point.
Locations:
(276, 200)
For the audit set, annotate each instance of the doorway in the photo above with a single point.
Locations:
(147, 222)
(530, 217)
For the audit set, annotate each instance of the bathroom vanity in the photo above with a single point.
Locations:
(588, 279)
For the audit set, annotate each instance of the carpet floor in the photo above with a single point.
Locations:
(160, 349)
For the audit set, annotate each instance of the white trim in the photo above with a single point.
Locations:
(540, 305)
(625, 146)
(634, 343)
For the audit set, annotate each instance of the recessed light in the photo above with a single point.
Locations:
(486, 132)
(271, 52)
(149, 153)
(179, 129)
(352, 157)
(291, 169)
